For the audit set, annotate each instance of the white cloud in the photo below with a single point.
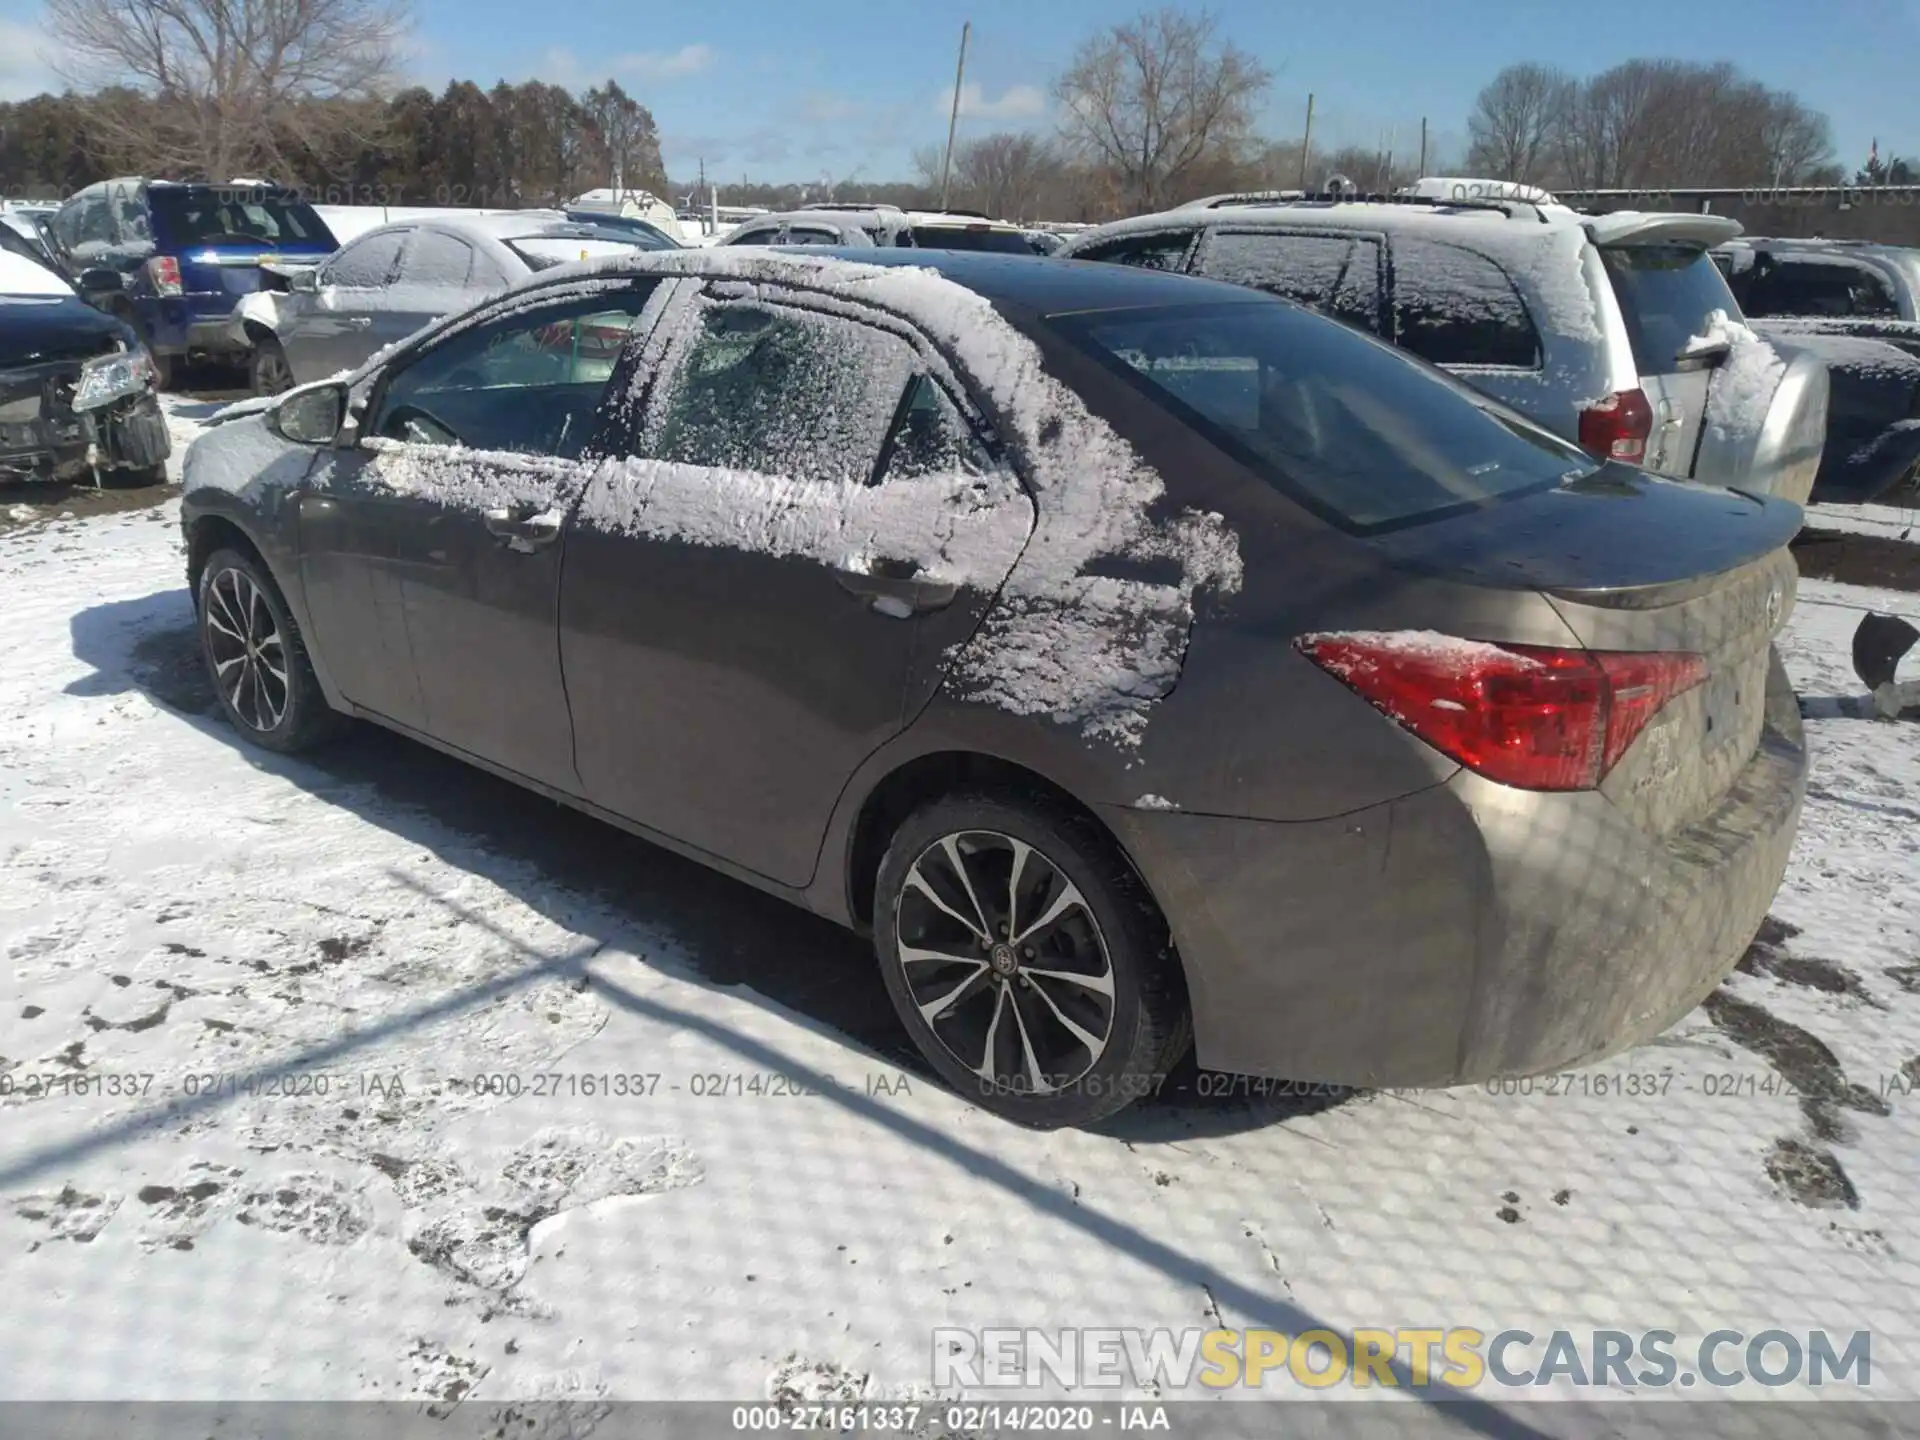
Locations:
(24, 70)
(1016, 102)
(822, 107)
(563, 67)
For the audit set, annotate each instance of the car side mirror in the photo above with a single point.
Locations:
(101, 282)
(305, 281)
(312, 417)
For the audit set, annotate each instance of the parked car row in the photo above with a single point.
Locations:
(1142, 660)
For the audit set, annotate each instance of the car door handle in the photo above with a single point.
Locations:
(896, 589)
(359, 322)
(521, 531)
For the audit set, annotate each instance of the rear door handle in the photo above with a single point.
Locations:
(897, 590)
(524, 532)
(359, 322)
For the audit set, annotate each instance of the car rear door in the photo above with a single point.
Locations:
(328, 332)
(767, 592)
(474, 453)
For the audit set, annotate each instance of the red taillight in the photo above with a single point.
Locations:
(163, 273)
(1617, 427)
(1525, 715)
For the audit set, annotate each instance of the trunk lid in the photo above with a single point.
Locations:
(1635, 563)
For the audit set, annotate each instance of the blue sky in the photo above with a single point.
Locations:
(808, 89)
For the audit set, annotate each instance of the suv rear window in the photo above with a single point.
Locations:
(960, 237)
(1666, 293)
(207, 215)
(1343, 423)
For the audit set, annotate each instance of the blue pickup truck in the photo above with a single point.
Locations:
(171, 259)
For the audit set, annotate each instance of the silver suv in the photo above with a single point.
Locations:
(1602, 328)
(862, 226)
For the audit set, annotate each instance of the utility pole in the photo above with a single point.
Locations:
(1423, 149)
(1306, 145)
(699, 195)
(953, 118)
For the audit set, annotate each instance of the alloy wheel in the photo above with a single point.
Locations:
(273, 377)
(1005, 962)
(249, 657)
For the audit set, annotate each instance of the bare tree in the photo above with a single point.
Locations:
(626, 133)
(226, 74)
(1516, 121)
(1006, 173)
(1151, 99)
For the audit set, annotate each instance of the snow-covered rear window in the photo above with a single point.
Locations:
(1338, 274)
(1339, 421)
(212, 215)
(1454, 307)
(970, 237)
(1667, 294)
(784, 391)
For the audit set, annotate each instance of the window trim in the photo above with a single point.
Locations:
(1392, 295)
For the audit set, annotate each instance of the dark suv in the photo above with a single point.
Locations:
(171, 259)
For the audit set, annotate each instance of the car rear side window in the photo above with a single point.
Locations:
(1454, 307)
(1336, 274)
(930, 437)
(434, 258)
(1161, 250)
(1819, 285)
(782, 391)
(1343, 423)
(366, 263)
(810, 235)
(1666, 293)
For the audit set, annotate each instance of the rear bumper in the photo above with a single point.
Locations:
(1467, 931)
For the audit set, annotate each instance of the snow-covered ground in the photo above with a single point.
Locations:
(370, 1076)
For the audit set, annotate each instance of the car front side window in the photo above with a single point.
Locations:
(529, 384)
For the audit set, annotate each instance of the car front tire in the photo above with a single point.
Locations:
(1026, 961)
(256, 658)
(268, 369)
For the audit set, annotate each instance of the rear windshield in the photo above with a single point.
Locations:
(1347, 425)
(956, 237)
(543, 252)
(209, 216)
(1666, 293)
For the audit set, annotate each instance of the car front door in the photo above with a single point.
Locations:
(327, 331)
(767, 591)
(454, 503)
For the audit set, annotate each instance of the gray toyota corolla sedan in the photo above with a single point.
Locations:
(1143, 661)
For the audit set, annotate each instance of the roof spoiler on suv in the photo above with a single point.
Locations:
(1512, 209)
(1634, 227)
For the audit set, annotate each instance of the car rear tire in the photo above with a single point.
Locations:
(268, 369)
(166, 370)
(1026, 961)
(139, 478)
(256, 658)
